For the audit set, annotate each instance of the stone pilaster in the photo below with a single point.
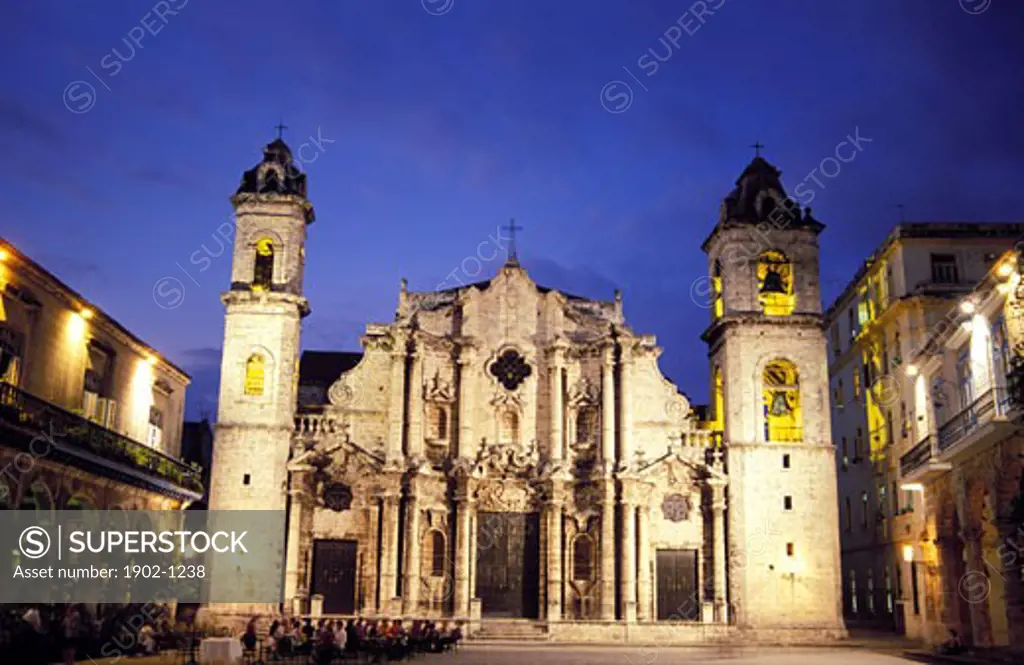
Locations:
(371, 565)
(627, 580)
(608, 410)
(554, 560)
(977, 602)
(414, 446)
(608, 553)
(467, 444)
(411, 586)
(396, 412)
(643, 581)
(718, 554)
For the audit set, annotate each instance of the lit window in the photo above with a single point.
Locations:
(254, 370)
(781, 395)
(263, 270)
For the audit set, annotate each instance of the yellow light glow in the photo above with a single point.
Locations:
(86, 313)
(912, 487)
(141, 398)
(908, 553)
(967, 307)
(912, 370)
(1004, 269)
(1003, 288)
(151, 359)
(3, 254)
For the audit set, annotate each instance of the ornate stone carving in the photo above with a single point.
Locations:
(676, 507)
(497, 461)
(341, 393)
(439, 390)
(502, 497)
(583, 393)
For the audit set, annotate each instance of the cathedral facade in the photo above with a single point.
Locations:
(511, 455)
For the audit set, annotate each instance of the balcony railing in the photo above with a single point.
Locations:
(979, 412)
(917, 456)
(26, 411)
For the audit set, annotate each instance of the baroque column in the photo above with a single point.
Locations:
(299, 494)
(608, 408)
(554, 562)
(718, 555)
(626, 408)
(557, 408)
(628, 577)
(389, 552)
(464, 506)
(415, 442)
(411, 587)
(467, 444)
(643, 582)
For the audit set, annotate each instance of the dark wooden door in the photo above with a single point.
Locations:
(678, 599)
(508, 564)
(334, 574)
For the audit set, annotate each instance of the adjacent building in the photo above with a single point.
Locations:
(90, 415)
(507, 450)
(966, 457)
(887, 312)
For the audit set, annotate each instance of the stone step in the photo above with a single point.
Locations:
(512, 629)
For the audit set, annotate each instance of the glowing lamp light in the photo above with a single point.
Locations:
(151, 359)
(912, 487)
(967, 307)
(912, 370)
(908, 553)
(1003, 288)
(86, 313)
(3, 255)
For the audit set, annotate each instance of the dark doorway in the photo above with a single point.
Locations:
(678, 599)
(508, 564)
(334, 575)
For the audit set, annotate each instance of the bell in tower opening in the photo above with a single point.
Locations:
(775, 284)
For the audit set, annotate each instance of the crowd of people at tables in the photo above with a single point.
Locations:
(331, 640)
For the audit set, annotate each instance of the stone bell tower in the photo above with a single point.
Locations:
(767, 351)
(264, 307)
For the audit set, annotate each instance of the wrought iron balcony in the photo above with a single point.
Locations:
(979, 412)
(38, 418)
(918, 456)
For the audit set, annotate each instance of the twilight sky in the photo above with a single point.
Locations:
(440, 119)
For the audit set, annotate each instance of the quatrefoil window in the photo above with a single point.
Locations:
(510, 369)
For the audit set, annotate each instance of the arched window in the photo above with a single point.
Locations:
(254, 371)
(436, 554)
(582, 558)
(586, 423)
(782, 412)
(263, 269)
(439, 423)
(509, 427)
(775, 284)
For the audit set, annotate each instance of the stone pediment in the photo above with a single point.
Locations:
(683, 464)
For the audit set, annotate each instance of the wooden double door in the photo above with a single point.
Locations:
(678, 597)
(334, 574)
(508, 564)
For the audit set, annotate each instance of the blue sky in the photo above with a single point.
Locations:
(443, 118)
